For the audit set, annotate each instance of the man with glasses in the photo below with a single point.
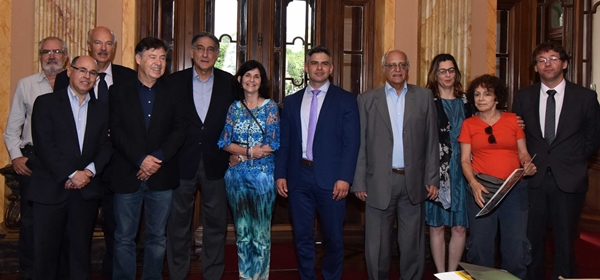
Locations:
(70, 132)
(208, 94)
(101, 44)
(52, 55)
(397, 169)
(563, 129)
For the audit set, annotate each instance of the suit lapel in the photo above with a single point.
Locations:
(410, 105)
(296, 108)
(160, 101)
(67, 112)
(92, 121)
(568, 109)
(215, 97)
(382, 108)
(326, 107)
(133, 97)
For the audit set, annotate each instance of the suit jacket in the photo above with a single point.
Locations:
(57, 147)
(132, 141)
(421, 146)
(120, 74)
(577, 136)
(336, 141)
(201, 137)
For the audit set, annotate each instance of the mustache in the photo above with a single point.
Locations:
(52, 60)
(103, 52)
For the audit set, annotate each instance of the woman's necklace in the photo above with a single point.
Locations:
(489, 119)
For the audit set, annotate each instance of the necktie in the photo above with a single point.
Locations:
(312, 124)
(102, 88)
(549, 133)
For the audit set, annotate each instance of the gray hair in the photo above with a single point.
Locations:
(384, 57)
(64, 46)
(209, 35)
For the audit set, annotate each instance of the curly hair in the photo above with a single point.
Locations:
(432, 82)
(492, 84)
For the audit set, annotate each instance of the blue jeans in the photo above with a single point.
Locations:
(511, 218)
(127, 207)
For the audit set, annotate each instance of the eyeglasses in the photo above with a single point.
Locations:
(49, 52)
(492, 138)
(84, 71)
(210, 50)
(443, 71)
(552, 59)
(393, 66)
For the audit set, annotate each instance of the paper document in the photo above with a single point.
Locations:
(509, 183)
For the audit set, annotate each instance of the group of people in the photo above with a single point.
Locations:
(108, 136)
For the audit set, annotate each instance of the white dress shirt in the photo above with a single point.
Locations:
(202, 93)
(28, 89)
(396, 106)
(80, 112)
(559, 97)
(305, 110)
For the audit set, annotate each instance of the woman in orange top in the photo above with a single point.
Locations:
(492, 143)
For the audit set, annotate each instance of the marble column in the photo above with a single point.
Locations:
(69, 20)
(384, 36)
(5, 51)
(445, 28)
(130, 32)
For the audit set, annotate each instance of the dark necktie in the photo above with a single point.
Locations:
(549, 133)
(102, 88)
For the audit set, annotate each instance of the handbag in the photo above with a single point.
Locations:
(491, 183)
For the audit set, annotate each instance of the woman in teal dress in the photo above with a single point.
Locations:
(251, 135)
(449, 209)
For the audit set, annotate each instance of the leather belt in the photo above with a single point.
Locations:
(398, 170)
(306, 162)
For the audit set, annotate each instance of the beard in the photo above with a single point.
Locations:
(52, 66)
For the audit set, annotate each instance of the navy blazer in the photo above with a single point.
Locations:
(57, 147)
(336, 142)
(201, 137)
(132, 141)
(577, 136)
(120, 74)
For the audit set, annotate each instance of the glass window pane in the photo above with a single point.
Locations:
(353, 19)
(226, 30)
(556, 14)
(352, 73)
(294, 67)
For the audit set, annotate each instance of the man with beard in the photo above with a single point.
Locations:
(17, 136)
(101, 43)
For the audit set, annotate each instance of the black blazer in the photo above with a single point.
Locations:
(57, 147)
(120, 74)
(202, 137)
(577, 136)
(132, 141)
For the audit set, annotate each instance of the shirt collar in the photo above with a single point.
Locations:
(197, 77)
(109, 70)
(390, 90)
(73, 96)
(324, 88)
(41, 77)
(560, 88)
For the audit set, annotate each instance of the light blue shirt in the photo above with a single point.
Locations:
(202, 93)
(396, 104)
(80, 117)
(305, 110)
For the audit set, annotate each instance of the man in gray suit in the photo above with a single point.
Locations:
(397, 168)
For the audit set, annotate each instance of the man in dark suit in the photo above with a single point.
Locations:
(70, 131)
(208, 94)
(397, 169)
(147, 128)
(316, 162)
(563, 131)
(101, 44)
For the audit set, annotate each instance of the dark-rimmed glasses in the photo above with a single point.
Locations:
(492, 138)
(443, 71)
(84, 71)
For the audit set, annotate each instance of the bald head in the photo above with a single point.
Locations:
(82, 74)
(101, 41)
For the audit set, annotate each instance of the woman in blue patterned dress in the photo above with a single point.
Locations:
(450, 207)
(251, 135)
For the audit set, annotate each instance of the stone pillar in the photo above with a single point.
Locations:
(5, 50)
